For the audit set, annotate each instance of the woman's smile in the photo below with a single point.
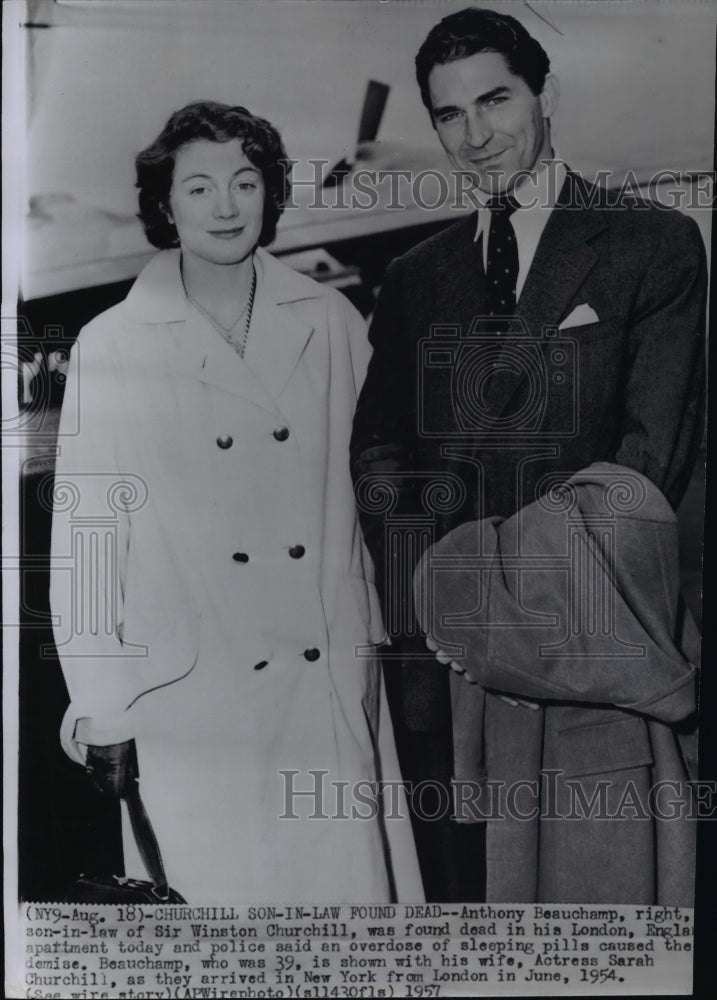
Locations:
(227, 234)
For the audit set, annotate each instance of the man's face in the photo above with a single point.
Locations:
(489, 121)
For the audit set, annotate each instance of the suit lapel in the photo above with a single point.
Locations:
(460, 280)
(561, 264)
(562, 261)
(459, 297)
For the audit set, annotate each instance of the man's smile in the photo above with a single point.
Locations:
(480, 160)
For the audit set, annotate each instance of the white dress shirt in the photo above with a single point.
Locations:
(536, 195)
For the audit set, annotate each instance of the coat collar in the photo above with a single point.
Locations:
(158, 295)
(281, 328)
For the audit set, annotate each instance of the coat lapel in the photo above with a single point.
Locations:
(199, 353)
(279, 331)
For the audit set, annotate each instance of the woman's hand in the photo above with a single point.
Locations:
(112, 768)
(76, 735)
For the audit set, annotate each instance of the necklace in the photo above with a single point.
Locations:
(228, 331)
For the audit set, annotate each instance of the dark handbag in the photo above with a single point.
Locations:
(114, 771)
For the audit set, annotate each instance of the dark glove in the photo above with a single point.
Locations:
(113, 768)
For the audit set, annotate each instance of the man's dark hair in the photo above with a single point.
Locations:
(474, 30)
(216, 122)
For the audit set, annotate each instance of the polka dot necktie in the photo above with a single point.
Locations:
(502, 269)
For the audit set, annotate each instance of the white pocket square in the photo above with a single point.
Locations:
(580, 316)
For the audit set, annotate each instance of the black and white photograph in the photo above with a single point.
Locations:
(354, 471)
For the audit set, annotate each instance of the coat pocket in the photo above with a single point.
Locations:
(614, 745)
(170, 643)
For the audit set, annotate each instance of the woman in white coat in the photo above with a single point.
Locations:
(211, 588)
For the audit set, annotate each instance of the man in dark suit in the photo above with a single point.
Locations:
(557, 326)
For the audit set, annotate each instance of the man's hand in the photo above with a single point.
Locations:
(519, 702)
(443, 657)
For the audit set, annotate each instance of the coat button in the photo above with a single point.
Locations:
(311, 655)
(261, 664)
(241, 557)
(281, 433)
(297, 551)
(225, 440)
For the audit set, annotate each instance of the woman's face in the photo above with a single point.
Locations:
(216, 201)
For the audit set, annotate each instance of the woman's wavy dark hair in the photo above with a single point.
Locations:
(216, 122)
(474, 30)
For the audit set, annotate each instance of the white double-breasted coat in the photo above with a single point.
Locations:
(213, 593)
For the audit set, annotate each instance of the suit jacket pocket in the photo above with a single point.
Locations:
(614, 745)
(590, 332)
